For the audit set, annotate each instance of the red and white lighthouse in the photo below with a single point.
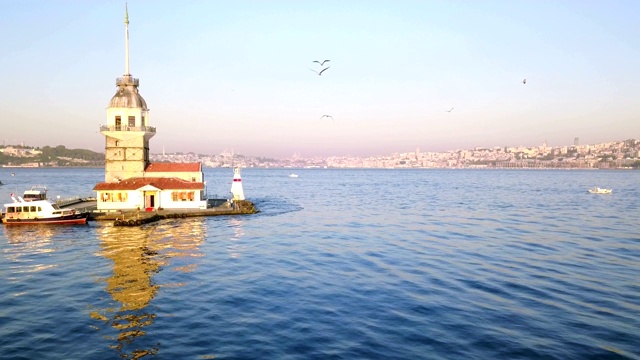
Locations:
(236, 185)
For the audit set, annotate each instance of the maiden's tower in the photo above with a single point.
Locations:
(131, 180)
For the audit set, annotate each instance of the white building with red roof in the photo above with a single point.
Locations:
(131, 180)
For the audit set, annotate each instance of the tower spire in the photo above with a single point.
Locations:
(126, 40)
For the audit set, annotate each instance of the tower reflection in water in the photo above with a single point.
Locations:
(138, 253)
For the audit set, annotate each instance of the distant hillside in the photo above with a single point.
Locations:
(48, 156)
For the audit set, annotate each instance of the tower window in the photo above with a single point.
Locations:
(118, 123)
(132, 121)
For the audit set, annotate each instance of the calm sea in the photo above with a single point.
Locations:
(339, 264)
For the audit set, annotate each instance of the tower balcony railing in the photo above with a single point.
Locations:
(151, 129)
(127, 80)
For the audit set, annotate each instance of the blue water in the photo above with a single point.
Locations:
(339, 264)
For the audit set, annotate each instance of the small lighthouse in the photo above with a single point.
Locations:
(236, 185)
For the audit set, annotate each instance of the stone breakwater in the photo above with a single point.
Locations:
(137, 218)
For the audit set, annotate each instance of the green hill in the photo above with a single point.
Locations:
(47, 156)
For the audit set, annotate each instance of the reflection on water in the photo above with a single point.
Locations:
(235, 249)
(27, 243)
(30, 234)
(138, 253)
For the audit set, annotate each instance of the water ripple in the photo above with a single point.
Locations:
(342, 264)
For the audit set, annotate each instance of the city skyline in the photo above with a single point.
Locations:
(236, 75)
(544, 147)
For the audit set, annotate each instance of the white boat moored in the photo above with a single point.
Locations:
(35, 208)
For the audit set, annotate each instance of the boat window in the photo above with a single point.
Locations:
(39, 208)
(32, 209)
(56, 212)
(18, 208)
(11, 209)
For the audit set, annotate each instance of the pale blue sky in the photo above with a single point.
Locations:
(235, 74)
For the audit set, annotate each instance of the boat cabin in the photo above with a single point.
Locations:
(36, 193)
(43, 209)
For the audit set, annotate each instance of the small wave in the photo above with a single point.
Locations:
(275, 206)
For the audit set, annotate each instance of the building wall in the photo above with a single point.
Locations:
(124, 113)
(125, 158)
(113, 200)
(126, 143)
(166, 201)
(133, 201)
(195, 176)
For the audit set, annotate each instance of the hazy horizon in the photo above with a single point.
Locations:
(27, 145)
(237, 75)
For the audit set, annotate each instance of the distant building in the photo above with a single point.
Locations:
(131, 180)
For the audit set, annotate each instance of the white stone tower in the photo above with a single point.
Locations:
(236, 185)
(127, 132)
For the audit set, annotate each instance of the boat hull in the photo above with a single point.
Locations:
(60, 220)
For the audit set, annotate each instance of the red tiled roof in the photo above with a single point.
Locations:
(173, 167)
(160, 183)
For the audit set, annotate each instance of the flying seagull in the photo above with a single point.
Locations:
(321, 63)
(329, 116)
(450, 110)
(524, 81)
(321, 71)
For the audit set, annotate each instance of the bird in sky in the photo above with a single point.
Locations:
(329, 116)
(450, 110)
(524, 81)
(321, 71)
(322, 62)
